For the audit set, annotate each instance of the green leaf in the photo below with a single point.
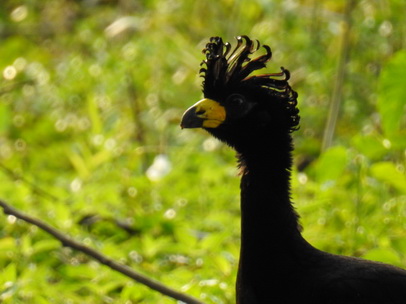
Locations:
(6, 244)
(388, 173)
(392, 94)
(331, 164)
(9, 273)
(45, 246)
(369, 145)
(385, 255)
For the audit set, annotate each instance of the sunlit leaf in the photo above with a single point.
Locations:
(331, 164)
(369, 146)
(385, 255)
(45, 246)
(388, 173)
(9, 273)
(392, 94)
(6, 245)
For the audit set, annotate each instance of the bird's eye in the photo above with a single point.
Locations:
(236, 100)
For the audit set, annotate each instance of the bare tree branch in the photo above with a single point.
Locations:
(127, 271)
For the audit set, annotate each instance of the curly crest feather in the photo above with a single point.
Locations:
(226, 69)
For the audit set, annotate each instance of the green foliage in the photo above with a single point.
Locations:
(392, 94)
(91, 94)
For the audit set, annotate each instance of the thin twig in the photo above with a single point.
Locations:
(127, 271)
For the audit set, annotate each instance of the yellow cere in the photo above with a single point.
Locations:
(211, 111)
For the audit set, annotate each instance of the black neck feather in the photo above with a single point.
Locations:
(271, 241)
(265, 189)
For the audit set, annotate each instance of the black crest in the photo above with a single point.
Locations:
(227, 68)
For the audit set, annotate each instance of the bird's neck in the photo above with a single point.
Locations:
(270, 234)
(265, 189)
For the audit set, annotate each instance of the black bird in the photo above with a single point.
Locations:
(255, 115)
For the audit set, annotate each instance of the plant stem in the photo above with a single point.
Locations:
(336, 97)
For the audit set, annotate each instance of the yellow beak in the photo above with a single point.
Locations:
(206, 113)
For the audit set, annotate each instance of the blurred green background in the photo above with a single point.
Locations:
(91, 95)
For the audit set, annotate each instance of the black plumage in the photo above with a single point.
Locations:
(255, 115)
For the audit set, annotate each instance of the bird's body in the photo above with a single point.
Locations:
(256, 116)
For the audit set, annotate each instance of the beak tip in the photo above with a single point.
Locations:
(190, 120)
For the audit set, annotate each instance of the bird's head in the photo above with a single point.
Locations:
(238, 106)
